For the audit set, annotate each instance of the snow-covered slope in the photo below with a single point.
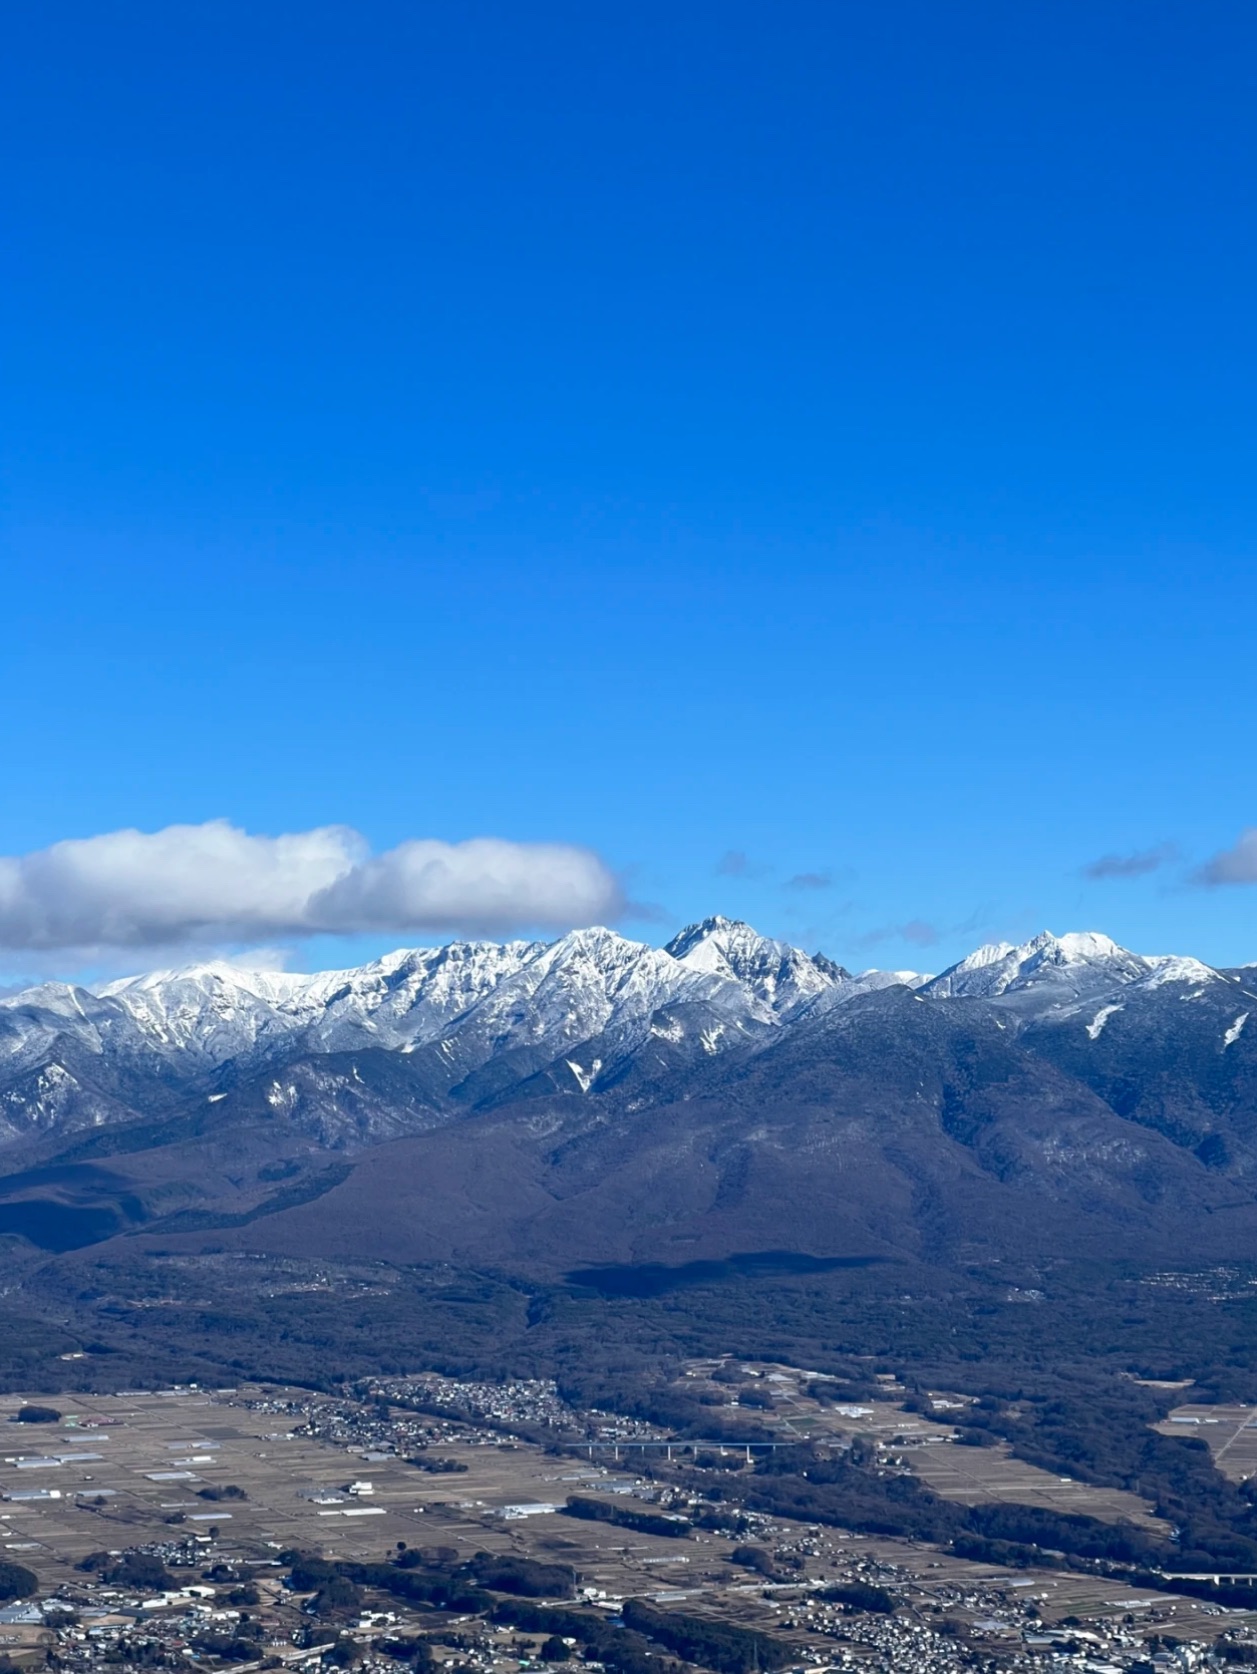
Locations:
(591, 989)
(784, 978)
(1057, 973)
(215, 1013)
(210, 1014)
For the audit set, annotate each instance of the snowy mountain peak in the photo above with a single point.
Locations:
(1175, 967)
(990, 953)
(993, 969)
(213, 976)
(783, 977)
(596, 942)
(716, 927)
(871, 980)
(1055, 971)
(1078, 947)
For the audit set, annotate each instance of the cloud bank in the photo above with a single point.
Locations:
(1236, 865)
(201, 883)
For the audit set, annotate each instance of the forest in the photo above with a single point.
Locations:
(634, 1648)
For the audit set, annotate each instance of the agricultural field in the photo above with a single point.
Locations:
(1229, 1431)
(131, 1469)
(926, 1444)
(220, 1483)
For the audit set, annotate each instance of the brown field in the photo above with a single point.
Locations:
(1229, 1432)
(974, 1475)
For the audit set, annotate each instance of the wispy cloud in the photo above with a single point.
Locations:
(810, 880)
(1135, 865)
(646, 912)
(922, 932)
(1236, 865)
(193, 884)
(918, 931)
(736, 863)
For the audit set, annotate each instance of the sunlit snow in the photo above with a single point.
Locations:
(1100, 1019)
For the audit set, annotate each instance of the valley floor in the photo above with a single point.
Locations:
(330, 1474)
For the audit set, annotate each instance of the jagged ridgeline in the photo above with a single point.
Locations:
(597, 1099)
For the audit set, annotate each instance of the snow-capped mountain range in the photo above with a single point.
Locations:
(479, 1019)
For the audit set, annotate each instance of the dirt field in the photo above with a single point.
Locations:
(974, 1475)
(1231, 1434)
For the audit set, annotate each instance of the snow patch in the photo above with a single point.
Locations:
(671, 1030)
(1235, 1031)
(584, 1077)
(1100, 1019)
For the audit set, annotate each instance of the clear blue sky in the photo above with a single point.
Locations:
(809, 441)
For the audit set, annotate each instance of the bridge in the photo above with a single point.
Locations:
(683, 1444)
(1215, 1578)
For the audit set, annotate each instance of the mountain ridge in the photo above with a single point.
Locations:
(483, 1019)
(599, 1098)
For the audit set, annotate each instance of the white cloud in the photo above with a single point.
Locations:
(199, 883)
(1236, 865)
(485, 883)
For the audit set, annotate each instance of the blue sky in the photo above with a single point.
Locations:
(803, 454)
